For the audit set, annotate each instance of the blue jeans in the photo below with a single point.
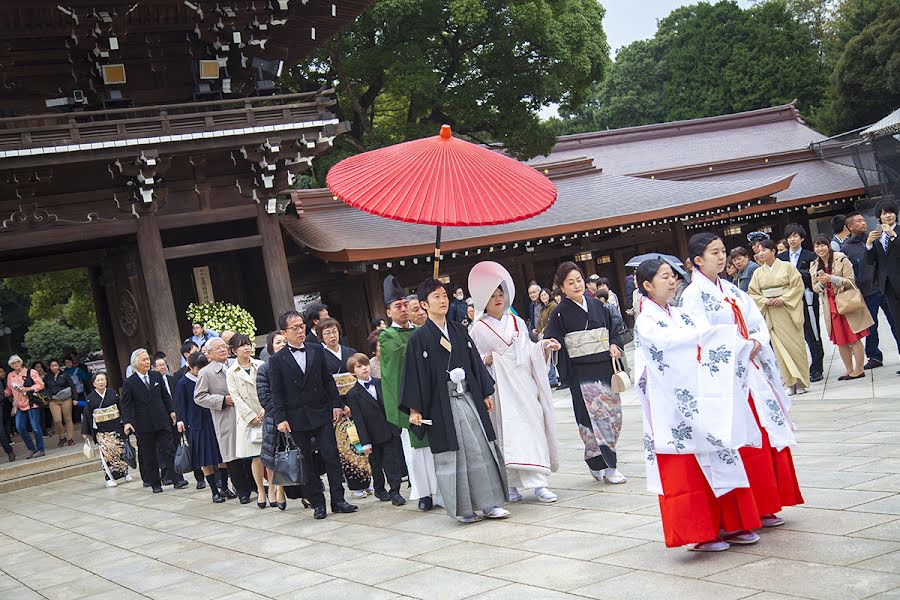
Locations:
(23, 417)
(874, 302)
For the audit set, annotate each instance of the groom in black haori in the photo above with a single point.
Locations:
(447, 392)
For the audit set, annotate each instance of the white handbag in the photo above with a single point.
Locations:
(88, 450)
(255, 435)
(620, 379)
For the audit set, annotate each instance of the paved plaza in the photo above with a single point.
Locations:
(77, 539)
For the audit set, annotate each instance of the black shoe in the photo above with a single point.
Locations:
(426, 504)
(383, 495)
(319, 512)
(146, 484)
(218, 498)
(244, 499)
(166, 482)
(397, 499)
(262, 504)
(814, 377)
(178, 485)
(229, 494)
(157, 489)
(201, 485)
(343, 507)
(873, 363)
(282, 505)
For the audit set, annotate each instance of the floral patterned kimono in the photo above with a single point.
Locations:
(695, 419)
(770, 468)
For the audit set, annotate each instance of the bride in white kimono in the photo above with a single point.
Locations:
(709, 300)
(523, 408)
(695, 419)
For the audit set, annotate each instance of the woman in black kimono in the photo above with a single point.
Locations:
(101, 420)
(355, 464)
(584, 328)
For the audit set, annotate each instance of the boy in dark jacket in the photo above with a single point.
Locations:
(380, 439)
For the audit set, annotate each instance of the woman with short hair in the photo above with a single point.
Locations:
(102, 422)
(58, 385)
(241, 379)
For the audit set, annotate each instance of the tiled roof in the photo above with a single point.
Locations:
(886, 126)
(586, 203)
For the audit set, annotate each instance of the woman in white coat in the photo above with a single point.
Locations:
(523, 409)
(241, 378)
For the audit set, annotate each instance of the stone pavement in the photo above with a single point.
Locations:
(77, 539)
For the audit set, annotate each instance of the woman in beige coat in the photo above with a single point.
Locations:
(833, 276)
(241, 377)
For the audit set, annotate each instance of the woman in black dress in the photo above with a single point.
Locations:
(196, 421)
(101, 420)
(355, 464)
(584, 328)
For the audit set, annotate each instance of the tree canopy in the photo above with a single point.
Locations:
(486, 67)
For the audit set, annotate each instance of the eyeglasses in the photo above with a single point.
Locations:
(299, 327)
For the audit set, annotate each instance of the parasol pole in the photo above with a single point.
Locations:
(437, 252)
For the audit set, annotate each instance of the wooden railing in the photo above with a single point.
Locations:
(36, 131)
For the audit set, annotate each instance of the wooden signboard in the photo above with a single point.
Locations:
(203, 282)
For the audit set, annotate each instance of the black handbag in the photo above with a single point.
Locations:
(35, 399)
(183, 463)
(288, 462)
(128, 453)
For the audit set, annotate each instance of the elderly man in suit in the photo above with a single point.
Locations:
(305, 402)
(802, 258)
(211, 392)
(148, 410)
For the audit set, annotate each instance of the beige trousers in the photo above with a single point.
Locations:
(61, 410)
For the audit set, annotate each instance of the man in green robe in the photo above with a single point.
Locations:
(392, 347)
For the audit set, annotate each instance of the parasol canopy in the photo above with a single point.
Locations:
(673, 262)
(442, 181)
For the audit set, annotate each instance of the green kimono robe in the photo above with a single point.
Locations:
(392, 343)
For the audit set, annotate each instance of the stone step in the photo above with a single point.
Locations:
(55, 474)
(55, 459)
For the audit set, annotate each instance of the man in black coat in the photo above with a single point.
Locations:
(148, 410)
(305, 402)
(884, 250)
(379, 437)
(801, 258)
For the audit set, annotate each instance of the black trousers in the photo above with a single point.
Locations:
(4, 441)
(892, 295)
(155, 448)
(809, 334)
(328, 450)
(385, 460)
(241, 476)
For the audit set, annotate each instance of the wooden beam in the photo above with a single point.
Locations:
(163, 319)
(207, 217)
(241, 243)
(281, 293)
(30, 238)
(58, 262)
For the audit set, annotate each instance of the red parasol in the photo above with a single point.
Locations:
(441, 181)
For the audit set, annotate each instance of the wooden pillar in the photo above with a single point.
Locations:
(618, 260)
(528, 271)
(104, 326)
(375, 293)
(680, 240)
(163, 320)
(275, 262)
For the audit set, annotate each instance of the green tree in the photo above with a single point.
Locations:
(866, 79)
(60, 294)
(484, 66)
(48, 338)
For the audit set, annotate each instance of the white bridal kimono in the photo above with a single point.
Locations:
(523, 408)
(710, 303)
(693, 406)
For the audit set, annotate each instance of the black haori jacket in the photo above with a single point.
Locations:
(425, 377)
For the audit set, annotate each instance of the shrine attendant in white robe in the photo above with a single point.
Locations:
(713, 301)
(695, 418)
(523, 408)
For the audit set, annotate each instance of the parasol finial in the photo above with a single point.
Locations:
(445, 132)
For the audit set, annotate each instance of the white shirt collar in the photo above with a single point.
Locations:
(584, 303)
(338, 353)
(398, 326)
(191, 376)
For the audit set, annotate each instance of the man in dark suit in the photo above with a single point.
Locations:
(305, 402)
(380, 438)
(801, 258)
(884, 251)
(312, 314)
(148, 410)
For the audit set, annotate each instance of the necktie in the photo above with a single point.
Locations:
(884, 241)
(146, 379)
(292, 349)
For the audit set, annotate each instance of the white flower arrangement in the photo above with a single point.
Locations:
(222, 316)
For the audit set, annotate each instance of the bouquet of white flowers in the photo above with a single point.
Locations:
(222, 316)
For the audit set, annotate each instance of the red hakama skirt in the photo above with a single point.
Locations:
(690, 511)
(771, 474)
